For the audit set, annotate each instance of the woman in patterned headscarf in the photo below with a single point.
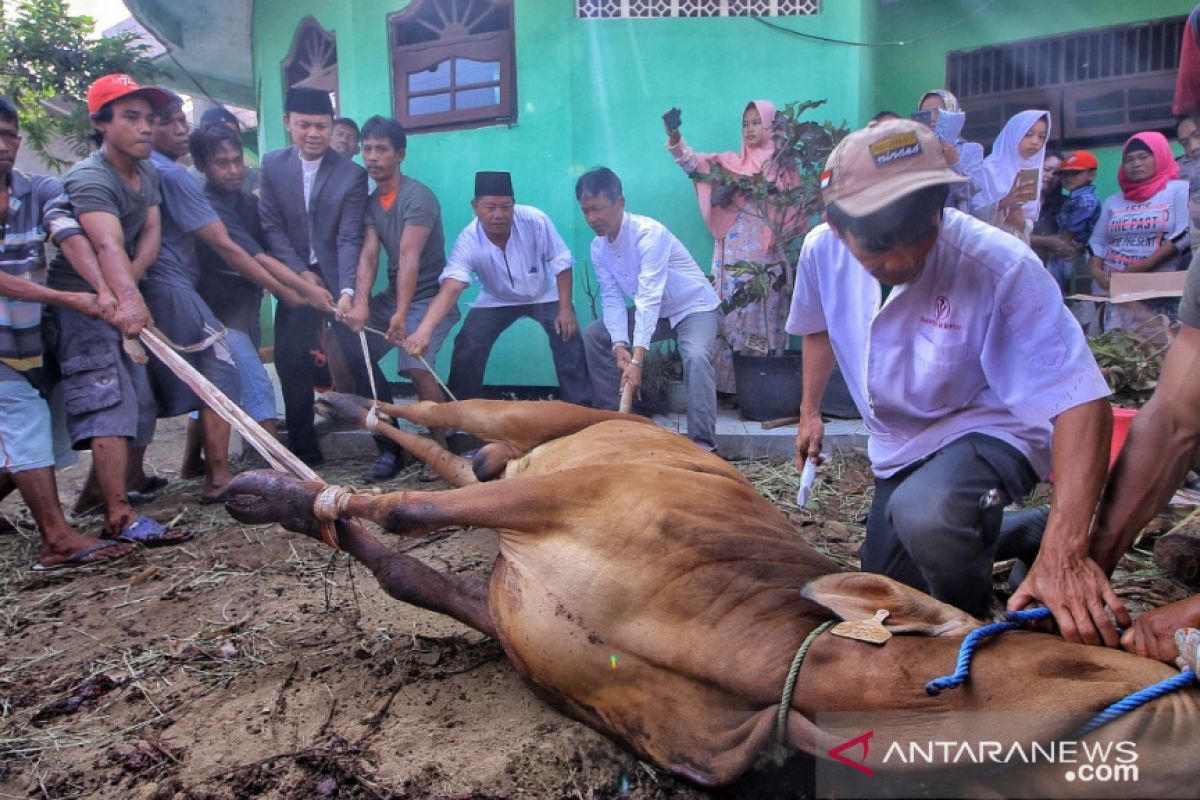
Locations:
(741, 233)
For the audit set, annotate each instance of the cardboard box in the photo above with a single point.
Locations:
(1126, 287)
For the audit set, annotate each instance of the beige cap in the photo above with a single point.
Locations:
(882, 162)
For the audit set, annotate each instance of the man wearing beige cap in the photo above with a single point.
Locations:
(966, 367)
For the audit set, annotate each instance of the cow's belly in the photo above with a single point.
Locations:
(699, 730)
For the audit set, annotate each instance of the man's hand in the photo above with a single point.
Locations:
(631, 376)
(418, 343)
(342, 309)
(312, 278)
(83, 302)
(106, 306)
(565, 324)
(356, 318)
(397, 331)
(1153, 635)
(289, 297)
(131, 316)
(316, 296)
(810, 435)
(1077, 593)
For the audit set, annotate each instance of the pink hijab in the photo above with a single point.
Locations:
(1165, 168)
(719, 219)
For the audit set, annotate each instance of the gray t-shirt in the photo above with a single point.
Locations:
(414, 205)
(1189, 306)
(94, 185)
(184, 209)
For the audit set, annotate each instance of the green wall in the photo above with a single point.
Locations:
(589, 92)
(905, 73)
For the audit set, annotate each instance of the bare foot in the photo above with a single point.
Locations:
(66, 548)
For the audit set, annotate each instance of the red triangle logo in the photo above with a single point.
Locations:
(860, 764)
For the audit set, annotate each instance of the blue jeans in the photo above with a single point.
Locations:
(483, 327)
(697, 337)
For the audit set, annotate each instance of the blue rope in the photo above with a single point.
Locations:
(1138, 699)
(1012, 620)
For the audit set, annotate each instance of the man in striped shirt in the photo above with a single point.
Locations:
(32, 209)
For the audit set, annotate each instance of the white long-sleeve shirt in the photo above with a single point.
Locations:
(979, 342)
(521, 273)
(647, 263)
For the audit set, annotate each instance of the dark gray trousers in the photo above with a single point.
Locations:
(935, 524)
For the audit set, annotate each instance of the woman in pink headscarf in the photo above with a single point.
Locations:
(1143, 227)
(741, 233)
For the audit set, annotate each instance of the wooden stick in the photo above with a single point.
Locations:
(779, 422)
(626, 399)
(272, 450)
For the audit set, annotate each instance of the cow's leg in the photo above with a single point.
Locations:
(403, 577)
(524, 425)
(532, 504)
(454, 469)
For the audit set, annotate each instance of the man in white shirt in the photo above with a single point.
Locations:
(524, 268)
(637, 257)
(966, 367)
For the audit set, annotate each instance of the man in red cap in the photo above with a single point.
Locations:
(110, 408)
(965, 366)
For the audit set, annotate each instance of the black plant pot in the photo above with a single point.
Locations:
(768, 387)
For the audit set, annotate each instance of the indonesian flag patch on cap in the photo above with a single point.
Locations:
(825, 177)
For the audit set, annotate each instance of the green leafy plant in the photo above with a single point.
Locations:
(1131, 364)
(47, 61)
(789, 211)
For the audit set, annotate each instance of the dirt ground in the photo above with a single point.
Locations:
(251, 662)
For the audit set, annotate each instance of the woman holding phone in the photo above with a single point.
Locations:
(1142, 228)
(1010, 179)
(740, 232)
(946, 118)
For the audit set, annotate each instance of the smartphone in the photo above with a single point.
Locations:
(1029, 177)
(925, 117)
(672, 119)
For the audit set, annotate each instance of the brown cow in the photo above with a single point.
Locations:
(619, 539)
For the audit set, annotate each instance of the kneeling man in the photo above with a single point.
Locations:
(524, 267)
(963, 361)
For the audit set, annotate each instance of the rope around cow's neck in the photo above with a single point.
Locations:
(1014, 619)
(789, 686)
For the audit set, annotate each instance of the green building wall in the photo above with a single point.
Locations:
(905, 73)
(589, 93)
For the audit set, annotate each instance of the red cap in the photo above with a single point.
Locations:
(108, 88)
(1079, 161)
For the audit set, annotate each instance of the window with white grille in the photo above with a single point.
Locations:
(638, 9)
(1100, 85)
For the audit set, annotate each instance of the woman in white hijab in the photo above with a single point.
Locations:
(1009, 195)
(962, 156)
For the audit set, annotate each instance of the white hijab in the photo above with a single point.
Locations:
(999, 170)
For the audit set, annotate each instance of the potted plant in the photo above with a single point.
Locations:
(769, 382)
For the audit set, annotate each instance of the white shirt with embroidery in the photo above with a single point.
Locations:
(523, 272)
(646, 262)
(979, 342)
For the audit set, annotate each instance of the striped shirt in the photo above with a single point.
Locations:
(37, 209)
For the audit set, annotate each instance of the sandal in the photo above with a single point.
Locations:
(149, 533)
(81, 559)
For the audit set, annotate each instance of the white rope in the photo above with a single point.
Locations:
(331, 502)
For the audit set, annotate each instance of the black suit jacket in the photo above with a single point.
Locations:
(335, 214)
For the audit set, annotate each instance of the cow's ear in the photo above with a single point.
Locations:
(858, 595)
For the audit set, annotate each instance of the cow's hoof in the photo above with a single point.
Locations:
(343, 407)
(263, 496)
(1179, 554)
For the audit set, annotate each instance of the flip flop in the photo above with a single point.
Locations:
(80, 559)
(149, 533)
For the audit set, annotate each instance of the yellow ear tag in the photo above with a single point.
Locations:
(864, 630)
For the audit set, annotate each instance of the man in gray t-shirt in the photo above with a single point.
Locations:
(405, 218)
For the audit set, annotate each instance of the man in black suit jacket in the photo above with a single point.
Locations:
(312, 206)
